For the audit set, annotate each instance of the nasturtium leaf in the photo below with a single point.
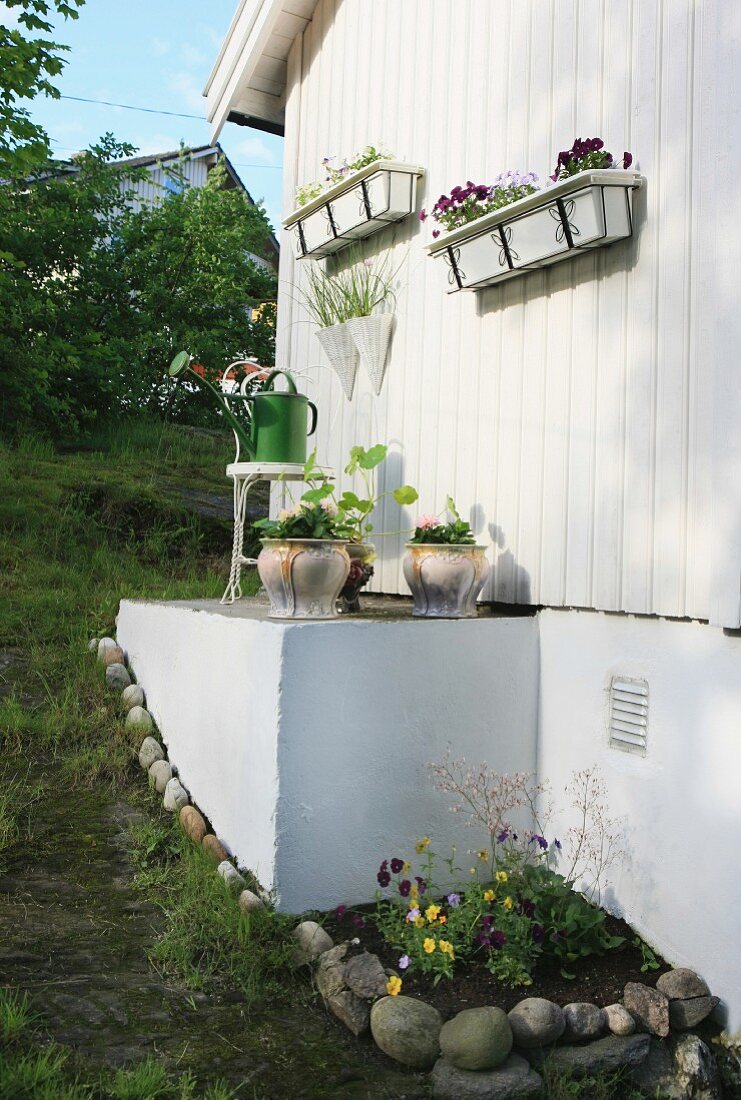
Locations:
(405, 494)
(368, 460)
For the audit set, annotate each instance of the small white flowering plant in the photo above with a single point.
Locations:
(336, 172)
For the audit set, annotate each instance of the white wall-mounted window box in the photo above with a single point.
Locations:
(364, 202)
(583, 212)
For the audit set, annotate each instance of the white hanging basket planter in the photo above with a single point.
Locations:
(360, 205)
(372, 336)
(339, 347)
(585, 211)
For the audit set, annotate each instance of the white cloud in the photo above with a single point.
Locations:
(254, 148)
(159, 47)
(8, 18)
(189, 89)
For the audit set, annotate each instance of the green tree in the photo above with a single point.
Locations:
(96, 296)
(190, 265)
(27, 67)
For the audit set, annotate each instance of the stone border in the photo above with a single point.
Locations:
(481, 1053)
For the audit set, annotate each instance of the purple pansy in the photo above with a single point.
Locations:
(397, 865)
(454, 900)
(404, 887)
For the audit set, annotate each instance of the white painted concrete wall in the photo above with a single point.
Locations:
(680, 886)
(588, 413)
(213, 688)
(307, 745)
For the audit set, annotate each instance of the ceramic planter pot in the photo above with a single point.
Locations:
(361, 571)
(445, 580)
(303, 577)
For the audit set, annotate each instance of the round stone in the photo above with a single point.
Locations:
(117, 676)
(407, 1030)
(150, 751)
(618, 1020)
(104, 644)
(477, 1038)
(114, 655)
(689, 1012)
(214, 849)
(175, 795)
(536, 1022)
(132, 696)
(312, 940)
(140, 718)
(193, 824)
(249, 902)
(682, 983)
(231, 876)
(583, 1021)
(160, 774)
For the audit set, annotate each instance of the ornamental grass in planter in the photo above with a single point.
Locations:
(444, 567)
(345, 305)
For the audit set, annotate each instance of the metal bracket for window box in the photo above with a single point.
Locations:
(360, 205)
(585, 211)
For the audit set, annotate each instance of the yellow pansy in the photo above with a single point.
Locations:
(489, 895)
(508, 903)
(483, 854)
(421, 845)
(442, 919)
(393, 986)
(472, 870)
(407, 864)
(414, 891)
(432, 912)
(429, 945)
(447, 948)
(501, 876)
(419, 922)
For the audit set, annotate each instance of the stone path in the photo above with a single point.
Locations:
(75, 933)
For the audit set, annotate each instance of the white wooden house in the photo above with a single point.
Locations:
(585, 416)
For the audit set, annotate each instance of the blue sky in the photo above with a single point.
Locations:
(155, 54)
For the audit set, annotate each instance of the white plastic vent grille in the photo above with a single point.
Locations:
(628, 714)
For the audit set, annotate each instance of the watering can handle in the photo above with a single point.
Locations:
(273, 374)
(312, 429)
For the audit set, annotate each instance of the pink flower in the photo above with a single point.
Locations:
(427, 522)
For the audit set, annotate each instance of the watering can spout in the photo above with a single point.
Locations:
(277, 429)
(180, 366)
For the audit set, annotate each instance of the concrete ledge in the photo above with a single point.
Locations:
(307, 743)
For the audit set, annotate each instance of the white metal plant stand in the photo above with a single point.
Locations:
(245, 476)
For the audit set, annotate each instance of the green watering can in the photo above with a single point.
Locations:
(276, 429)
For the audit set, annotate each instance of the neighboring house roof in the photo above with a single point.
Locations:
(248, 82)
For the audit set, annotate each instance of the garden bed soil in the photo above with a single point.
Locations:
(598, 979)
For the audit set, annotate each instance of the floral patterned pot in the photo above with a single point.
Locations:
(303, 577)
(445, 579)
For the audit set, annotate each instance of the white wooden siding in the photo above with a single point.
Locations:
(570, 411)
(150, 191)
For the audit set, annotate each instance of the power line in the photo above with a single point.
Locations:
(236, 163)
(128, 107)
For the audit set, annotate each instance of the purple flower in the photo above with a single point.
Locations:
(541, 841)
(421, 884)
(454, 900)
(397, 865)
(404, 887)
(498, 939)
(384, 878)
(557, 843)
(340, 912)
(527, 907)
(487, 921)
(597, 143)
(627, 160)
(435, 232)
(358, 921)
(404, 962)
(412, 915)
(502, 837)
(423, 215)
(538, 933)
